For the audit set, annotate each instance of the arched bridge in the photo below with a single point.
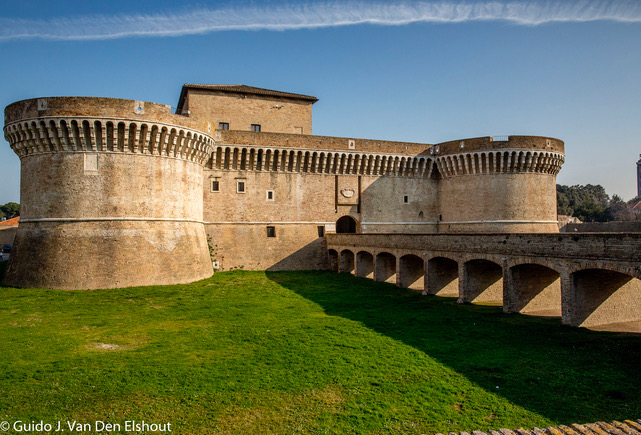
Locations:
(586, 279)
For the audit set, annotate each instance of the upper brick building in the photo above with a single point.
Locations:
(245, 108)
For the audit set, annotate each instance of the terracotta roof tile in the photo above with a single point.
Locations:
(10, 222)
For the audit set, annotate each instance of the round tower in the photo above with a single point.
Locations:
(111, 194)
(498, 184)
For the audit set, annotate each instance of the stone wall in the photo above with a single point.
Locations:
(236, 222)
(266, 139)
(603, 227)
(534, 143)
(99, 108)
(510, 202)
(7, 235)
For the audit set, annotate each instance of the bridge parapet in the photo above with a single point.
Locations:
(588, 246)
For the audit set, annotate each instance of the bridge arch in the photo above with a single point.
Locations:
(625, 268)
(532, 289)
(600, 296)
(385, 267)
(365, 264)
(482, 282)
(333, 259)
(347, 263)
(411, 270)
(443, 277)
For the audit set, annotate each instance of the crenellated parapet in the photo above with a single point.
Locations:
(91, 124)
(59, 135)
(497, 155)
(319, 143)
(503, 161)
(498, 143)
(311, 161)
(487, 155)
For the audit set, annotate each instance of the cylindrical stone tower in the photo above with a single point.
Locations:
(498, 185)
(111, 194)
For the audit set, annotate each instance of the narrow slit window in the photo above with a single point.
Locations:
(269, 195)
(406, 199)
(271, 231)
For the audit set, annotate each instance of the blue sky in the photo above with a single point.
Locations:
(411, 71)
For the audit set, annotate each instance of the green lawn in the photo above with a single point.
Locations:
(302, 352)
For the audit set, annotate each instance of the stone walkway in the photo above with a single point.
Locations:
(627, 427)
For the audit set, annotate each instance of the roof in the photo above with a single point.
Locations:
(10, 222)
(242, 89)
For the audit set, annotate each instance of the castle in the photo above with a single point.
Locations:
(118, 193)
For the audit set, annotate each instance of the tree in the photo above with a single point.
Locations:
(590, 211)
(10, 210)
(617, 209)
(634, 201)
(591, 203)
(587, 202)
(634, 209)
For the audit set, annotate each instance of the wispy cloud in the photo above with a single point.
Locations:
(316, 15)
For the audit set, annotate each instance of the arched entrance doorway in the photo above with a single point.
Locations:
(346, 224)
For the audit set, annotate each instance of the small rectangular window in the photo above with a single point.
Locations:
(240, 187)
(223, 126)
(321, 231)
(255, 127)
(215, 186)
(270, 195)
(406, 199)
(271, 231)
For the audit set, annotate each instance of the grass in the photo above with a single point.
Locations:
(302, 352)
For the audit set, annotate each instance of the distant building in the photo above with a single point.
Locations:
(639, 176)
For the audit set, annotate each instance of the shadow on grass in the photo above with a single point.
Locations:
(3, 269)
(568, 375)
